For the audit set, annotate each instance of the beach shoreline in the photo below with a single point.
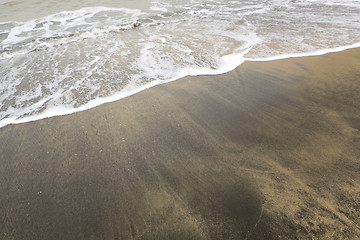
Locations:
(266, 151)
(235, 60)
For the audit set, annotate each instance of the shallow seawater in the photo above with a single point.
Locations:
(60, 57)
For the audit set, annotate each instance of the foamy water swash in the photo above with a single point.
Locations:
(78, 59)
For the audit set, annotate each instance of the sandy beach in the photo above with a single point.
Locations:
(270, 150)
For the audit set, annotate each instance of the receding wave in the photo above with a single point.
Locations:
(72, 61)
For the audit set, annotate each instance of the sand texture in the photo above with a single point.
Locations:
(270, 150)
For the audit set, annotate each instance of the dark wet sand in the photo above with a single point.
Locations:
(270, 150)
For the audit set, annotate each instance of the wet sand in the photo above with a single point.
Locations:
(270, 150)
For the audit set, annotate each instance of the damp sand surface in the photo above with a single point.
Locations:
(267, 151)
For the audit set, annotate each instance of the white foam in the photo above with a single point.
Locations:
(66, 110)
(338, 3)
(307, 54)
(63, 22)
(228, 63)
